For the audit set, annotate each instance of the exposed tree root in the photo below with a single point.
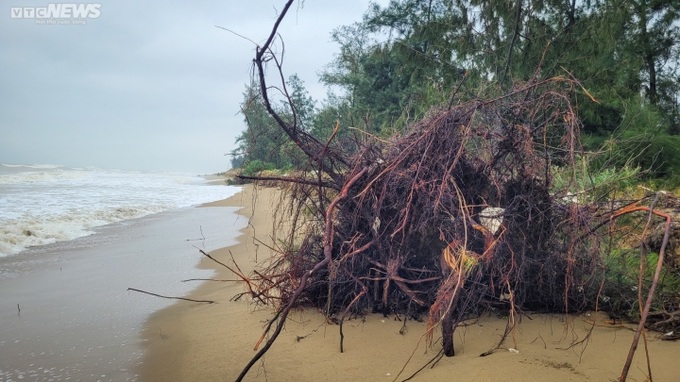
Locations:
(460, 213)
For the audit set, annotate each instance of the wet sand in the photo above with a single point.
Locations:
(198, 342)
(65, 311)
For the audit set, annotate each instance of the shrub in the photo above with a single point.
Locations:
(255, 166)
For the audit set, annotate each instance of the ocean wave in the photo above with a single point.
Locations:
(17, 235)
(28, 174)
(31, 166)
(44, 206)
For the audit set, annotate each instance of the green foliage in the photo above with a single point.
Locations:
(263, 142)
(660, 154)
(406, 57)
(336, 110)
(589, 184)
(411, 55)
(237, 161)
(622, 272)
(643, 142)
(392, 83)
(301, 108)
(255, 166)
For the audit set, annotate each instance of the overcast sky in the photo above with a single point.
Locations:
(147, 85)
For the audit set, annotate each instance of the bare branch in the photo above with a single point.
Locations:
(170, 297)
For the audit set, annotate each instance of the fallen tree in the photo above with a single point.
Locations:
(457, 216)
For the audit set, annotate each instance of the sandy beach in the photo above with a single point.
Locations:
(213, 342)
(65, 310)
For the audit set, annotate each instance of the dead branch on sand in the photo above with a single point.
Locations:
(170, 297)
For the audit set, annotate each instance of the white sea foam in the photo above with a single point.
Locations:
(42, 204)
(30, 165)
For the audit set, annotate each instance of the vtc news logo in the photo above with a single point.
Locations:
(58, 13)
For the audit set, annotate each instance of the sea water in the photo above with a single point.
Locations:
(43, 204)
(73, 241)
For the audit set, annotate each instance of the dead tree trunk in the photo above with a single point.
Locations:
(447, 333)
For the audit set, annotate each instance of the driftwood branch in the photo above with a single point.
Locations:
(170, 297)
(286, 179)
(652, 288)
(282, 314)
(311, 146)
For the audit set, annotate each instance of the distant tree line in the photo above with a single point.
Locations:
(404, 58)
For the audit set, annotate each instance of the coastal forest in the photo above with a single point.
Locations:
(403, 59)
(475, 157)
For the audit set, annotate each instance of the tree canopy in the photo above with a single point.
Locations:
(409, 56)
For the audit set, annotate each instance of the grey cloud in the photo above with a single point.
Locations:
(150, 85)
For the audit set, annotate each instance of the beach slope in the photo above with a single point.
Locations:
(213, 342)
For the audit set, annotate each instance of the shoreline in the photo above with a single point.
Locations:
(200, 342)
(167, 338)
(65, 307)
